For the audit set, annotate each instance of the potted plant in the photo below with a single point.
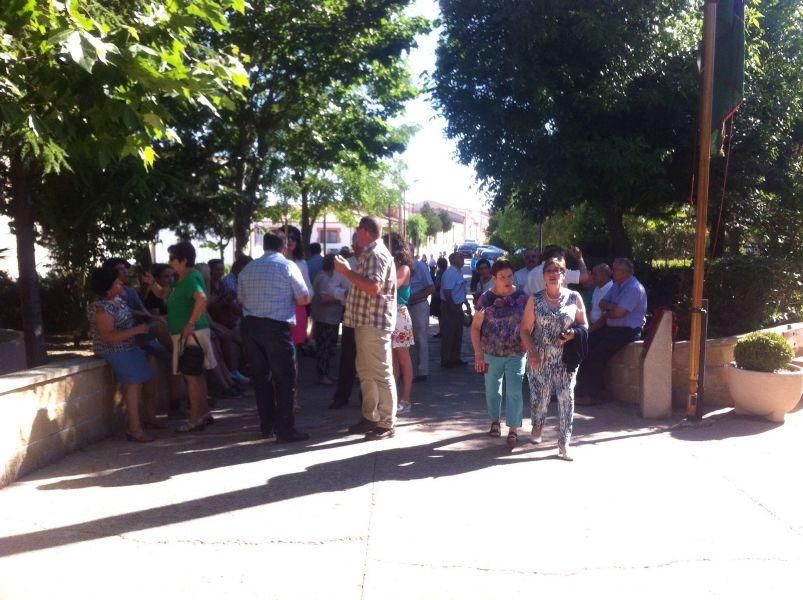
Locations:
(762, 379)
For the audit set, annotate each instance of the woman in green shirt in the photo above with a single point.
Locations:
(188, 324)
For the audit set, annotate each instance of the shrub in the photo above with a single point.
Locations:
(762, 351)
(745, 293)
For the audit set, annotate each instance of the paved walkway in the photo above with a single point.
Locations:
(655, 509)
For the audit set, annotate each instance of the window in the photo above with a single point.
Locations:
(330, 236)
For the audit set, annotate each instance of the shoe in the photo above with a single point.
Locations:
(512, 439)
(419, 378)
(362, 426)
(325, 380)
(380, 433)
(535, 436)
(338, 404)
(437, 335)
(404, 407)
(140, 438)
(293, 436)
(239, 377)
(207, 419)
(563, 453)
(495, 430)
(267, 435)
(191, 427)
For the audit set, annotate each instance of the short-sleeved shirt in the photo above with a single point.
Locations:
(453, 280)
(122, 319)
(536, 283)
(132, 299)
(330, 313)
(501, 323)
(230, 282)
(379, 311)
(596, 297)
(152, 301)
(520, 278)
(420, 279)
(269, 286)
(631, 296)
(181, 302)
(314, 266)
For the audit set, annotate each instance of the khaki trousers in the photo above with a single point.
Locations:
(375, 370)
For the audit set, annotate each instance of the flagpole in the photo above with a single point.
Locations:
(704, 152)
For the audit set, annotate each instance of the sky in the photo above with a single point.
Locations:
(433, 170)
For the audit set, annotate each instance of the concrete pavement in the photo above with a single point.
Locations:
(648, 508)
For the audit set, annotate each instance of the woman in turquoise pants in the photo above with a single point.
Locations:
(548, 319)
(497, 348)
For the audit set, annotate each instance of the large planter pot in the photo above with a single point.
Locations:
(768, 395)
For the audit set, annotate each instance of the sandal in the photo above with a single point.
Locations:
(563, 453)
(495, 430)
(512, 439)
(191, 427)
(535, 436)
(140, 438)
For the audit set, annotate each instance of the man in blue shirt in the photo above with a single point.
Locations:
(624, 310)
(453, 294)
(421, 288)
(269, 289)
(315, 261)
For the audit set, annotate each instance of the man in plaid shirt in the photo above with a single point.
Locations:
(371, 311)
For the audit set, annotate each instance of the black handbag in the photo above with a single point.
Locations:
(191, 359)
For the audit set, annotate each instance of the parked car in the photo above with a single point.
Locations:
(467, 248)
(486, 251)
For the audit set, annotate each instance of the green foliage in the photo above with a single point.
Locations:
(763, 207)
(446, 220)
(763, 351)
(90, 79)
(10, 316)
(558, 103)
(745, 293)
(416, 230)
(64, 302)
(325, 79)
(434, 222)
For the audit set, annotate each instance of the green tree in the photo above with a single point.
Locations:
(763, 204)
(434, 222)
(324, 78)
(92, 82)
(556, 103)
(446, 220)
(416, 230)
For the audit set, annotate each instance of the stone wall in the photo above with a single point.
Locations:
(53, 410)
(623, 375)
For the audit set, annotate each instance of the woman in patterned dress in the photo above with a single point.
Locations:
(546, 326)
(498, 352)
(112, 330)
(402, 336)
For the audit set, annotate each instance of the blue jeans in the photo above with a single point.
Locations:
(509, 369)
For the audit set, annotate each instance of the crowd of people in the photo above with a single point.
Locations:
(205, 328)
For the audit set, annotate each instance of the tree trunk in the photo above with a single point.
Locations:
(619, 242)
(24, 228)
(306, 224)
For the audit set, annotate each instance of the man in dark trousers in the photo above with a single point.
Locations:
(269, 289)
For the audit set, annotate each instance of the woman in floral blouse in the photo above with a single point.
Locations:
(112, 330)
(497, 348)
